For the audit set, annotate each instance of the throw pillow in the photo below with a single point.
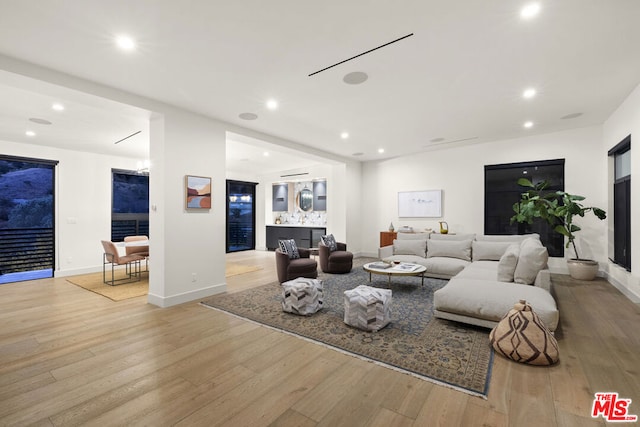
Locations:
(452, 249)
(488, 251)
(330, 242)
(410, 247)
(289, 247)
(508, 262)
(522, 337)
(533, 258)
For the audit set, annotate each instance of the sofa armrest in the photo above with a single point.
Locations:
(385, 252)
(543, 280)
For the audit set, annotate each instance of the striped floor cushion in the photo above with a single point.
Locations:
(302, 296)
(367, 308)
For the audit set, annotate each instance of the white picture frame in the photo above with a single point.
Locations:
(420, 204)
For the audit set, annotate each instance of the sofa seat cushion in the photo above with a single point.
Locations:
(480, 270)
(491, 300)
(444, 266)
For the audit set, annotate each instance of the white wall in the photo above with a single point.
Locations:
(82, 203)
(188, 261)
(623, 122)
(459, 172)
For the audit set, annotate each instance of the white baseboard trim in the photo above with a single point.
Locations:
(77, 271)
(181, 298)
(635, 298)
(366, 254)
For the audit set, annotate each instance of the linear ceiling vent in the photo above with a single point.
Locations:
(294, 174)
(361, 54)
(127, 137)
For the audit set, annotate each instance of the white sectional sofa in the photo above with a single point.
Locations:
(488, 274)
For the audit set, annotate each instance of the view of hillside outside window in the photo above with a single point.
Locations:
(26, 219)
(130, 204)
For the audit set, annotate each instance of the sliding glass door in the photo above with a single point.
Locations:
(27, 218)
(241, 216)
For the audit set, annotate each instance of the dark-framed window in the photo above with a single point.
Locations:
(501, 192)
(129, 204)
(621, 154)
(27, 218)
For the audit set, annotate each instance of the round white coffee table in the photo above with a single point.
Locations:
(402, 269)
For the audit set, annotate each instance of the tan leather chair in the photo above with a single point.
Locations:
(138, 250)
(289, 269)
(339, 261)
(131, 263)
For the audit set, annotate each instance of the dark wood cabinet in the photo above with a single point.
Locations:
(305, 237)
(387, 238)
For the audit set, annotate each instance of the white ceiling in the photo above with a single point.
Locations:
(459, 77)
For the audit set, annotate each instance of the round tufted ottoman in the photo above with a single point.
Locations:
(302, 296)
(367, 308)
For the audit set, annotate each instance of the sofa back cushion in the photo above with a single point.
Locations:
(452, 237)
(460, 249)
(488, 250)
(412, 236)
(410, 247)
(533, 258)
(508, 262)
(513, 238)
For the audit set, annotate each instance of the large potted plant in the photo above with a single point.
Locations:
(558, 209)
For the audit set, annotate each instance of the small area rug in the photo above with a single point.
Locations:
(93, 282)
(415, 342)
(234, 268)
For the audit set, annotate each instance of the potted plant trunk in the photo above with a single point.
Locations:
(558, 209)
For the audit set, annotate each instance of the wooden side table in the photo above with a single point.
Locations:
(387, 238)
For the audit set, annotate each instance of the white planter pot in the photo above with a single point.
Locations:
(583, 269)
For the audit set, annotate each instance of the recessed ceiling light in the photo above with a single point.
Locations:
(266, 154)
(57, 106)
(529, 93)
(530, 10)
(125, 42)
(30, 133)
(344, 135)
(39, 121)
(528, 124)
(248, 116)
(380, 150)
(272, 104)
(355, 78)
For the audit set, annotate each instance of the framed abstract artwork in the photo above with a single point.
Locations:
(197, 192)
(420, 204)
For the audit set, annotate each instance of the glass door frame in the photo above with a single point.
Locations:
(253, 186)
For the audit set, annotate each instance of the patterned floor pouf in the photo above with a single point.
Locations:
(367, 308)
(302, 296)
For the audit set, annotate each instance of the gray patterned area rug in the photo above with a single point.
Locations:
(415, 342)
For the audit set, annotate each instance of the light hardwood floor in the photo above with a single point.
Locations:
(71, 357)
